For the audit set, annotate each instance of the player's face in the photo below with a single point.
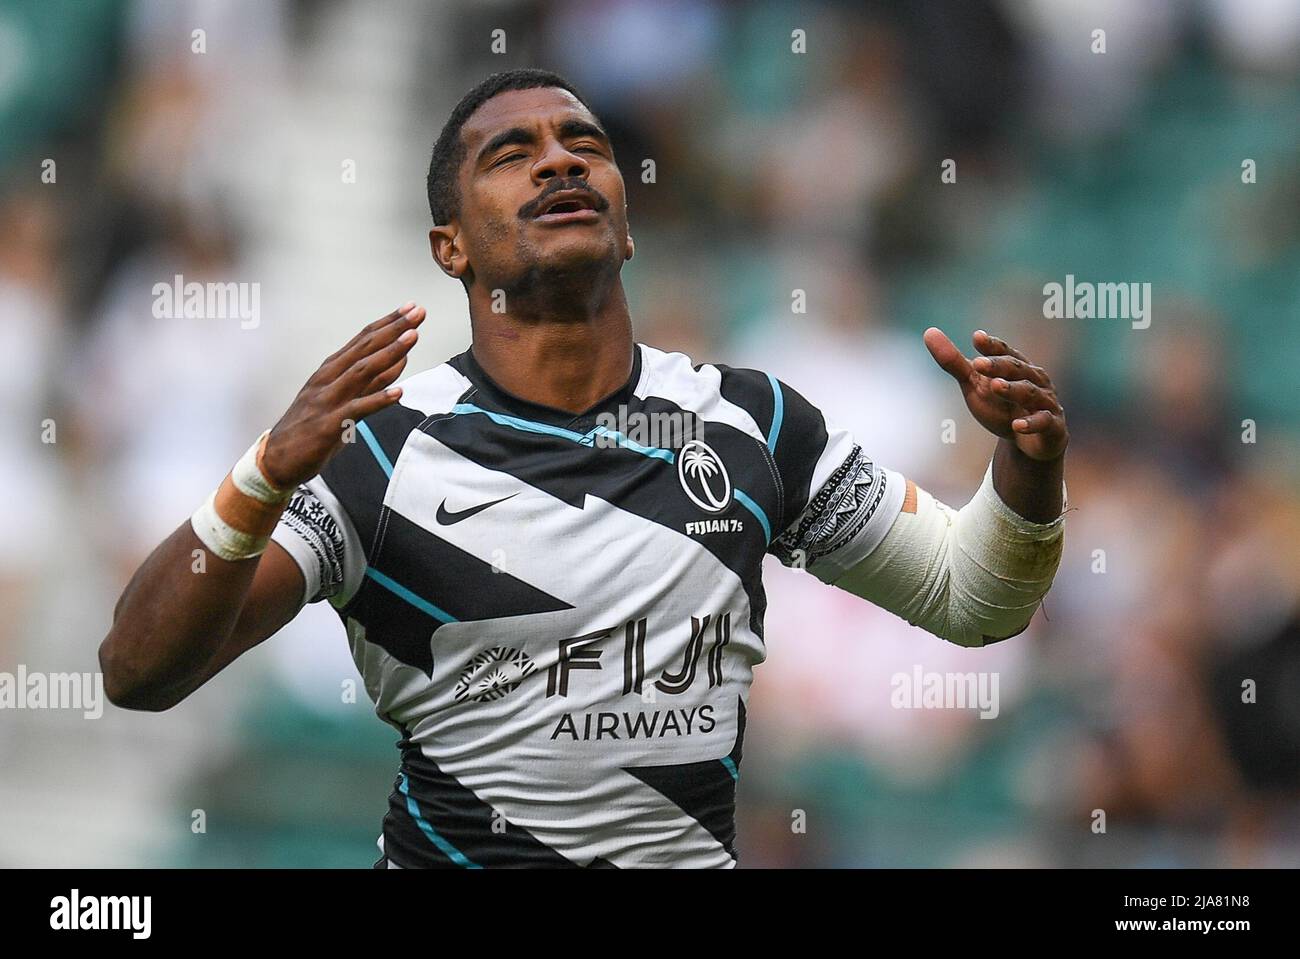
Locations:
(540, 191)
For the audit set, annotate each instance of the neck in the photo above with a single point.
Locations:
(564, 349)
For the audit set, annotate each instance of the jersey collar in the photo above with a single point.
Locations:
(504, 400)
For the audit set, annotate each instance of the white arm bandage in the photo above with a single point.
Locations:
(971, 576)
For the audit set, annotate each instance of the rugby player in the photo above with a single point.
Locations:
(561, 621)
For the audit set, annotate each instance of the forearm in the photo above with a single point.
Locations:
(211, 590)
(176, 613)
(1030, 487)
(970, 576)
(184, 602)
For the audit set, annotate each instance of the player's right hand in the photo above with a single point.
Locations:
(349, 386)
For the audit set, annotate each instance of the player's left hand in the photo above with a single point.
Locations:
(1007, 394)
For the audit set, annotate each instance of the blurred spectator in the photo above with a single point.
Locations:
(31, 337)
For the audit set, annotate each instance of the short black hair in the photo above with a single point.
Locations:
(449, 151)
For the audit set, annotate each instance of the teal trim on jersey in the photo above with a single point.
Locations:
(418, 602)
(778, 413)
(743, 498)
(654, 452)
(446, 848)
(375, 448)
(516, 422)
(582, 439)
(588, 439)
(731, 767)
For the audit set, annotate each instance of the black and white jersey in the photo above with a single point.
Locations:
(561, 614)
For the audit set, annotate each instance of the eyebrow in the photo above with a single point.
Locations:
(582, 128)
(520, 136)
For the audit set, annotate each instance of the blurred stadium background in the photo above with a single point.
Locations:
(775, 171)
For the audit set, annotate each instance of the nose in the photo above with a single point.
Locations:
(557, 161)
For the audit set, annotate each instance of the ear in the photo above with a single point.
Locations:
(446, 251)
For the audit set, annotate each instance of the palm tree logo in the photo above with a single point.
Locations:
(702, 476)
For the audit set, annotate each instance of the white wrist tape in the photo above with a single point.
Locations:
(222, 538)
(970, 576)
(237, 518)
(250, 481)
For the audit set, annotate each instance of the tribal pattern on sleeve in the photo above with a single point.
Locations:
(839, 512)
(307, 516)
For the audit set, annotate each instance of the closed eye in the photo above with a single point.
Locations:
(508, 158)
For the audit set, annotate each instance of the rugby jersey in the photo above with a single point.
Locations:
(560, 614)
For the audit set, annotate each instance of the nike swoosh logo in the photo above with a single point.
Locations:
(446, 518)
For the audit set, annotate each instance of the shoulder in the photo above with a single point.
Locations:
(747, 399)
(432, 391)
(425, 394)
(773, 409)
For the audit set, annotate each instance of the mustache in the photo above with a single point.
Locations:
(598, 201)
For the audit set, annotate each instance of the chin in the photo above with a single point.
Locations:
(567, 271)
(575, 254)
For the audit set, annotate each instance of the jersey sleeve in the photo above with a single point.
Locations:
(839, 504)
(331, 523)
(317, 532)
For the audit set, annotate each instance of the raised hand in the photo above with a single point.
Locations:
(1007, 394)
(350, 385)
